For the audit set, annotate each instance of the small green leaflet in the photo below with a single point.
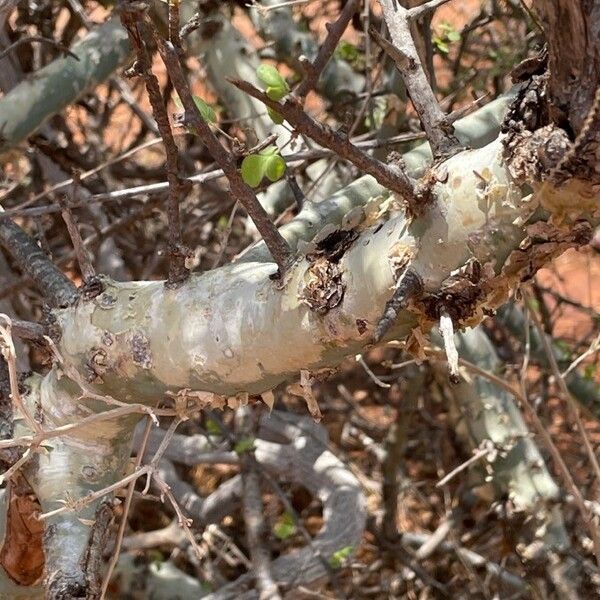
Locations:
(275, 116)
(339, 556)
(285, 526)
(274, 84)
(347, 51)
(267, 163)
(447, 35)
(244, 445)
(213, 428)
(206, 111)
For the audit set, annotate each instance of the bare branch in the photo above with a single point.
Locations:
(417, 12)
(138, 34)
(253, 510)
(403, 52)
(334, 33)
(87, 270)
(409, 286)
(57, 289)
(41, 39)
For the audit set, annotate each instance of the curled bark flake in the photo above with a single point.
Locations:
(187, 399)
(97, 365)
(459, 294)
(304, 390)
(532, 156)
(92, 288)
(447, 331)
(269, 399)
(543, 243)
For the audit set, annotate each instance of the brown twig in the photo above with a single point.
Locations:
(417, 12)
(174, 36)
(41, 39)
(85, 265)
(403, 52)
(139, 34)
(7, 349)
(28, 330)
(56, 288)
(334, 33)
(192, 118)
(391, 177)
(560, 381)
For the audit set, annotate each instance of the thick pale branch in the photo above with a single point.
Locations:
(29, 104)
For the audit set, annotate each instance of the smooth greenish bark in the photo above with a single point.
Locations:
(46, 92)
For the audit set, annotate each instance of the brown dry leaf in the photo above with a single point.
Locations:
(22, 553)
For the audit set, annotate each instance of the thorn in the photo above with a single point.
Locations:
(408, 286)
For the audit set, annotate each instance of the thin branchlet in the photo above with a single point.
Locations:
(409, 286)
(403, 52)
(54, 285)
(334, 33)
(139, 34)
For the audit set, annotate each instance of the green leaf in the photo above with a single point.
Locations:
(441, 45)
(244, 445)
(590, 371)
(274, 168)
(347, 51)
(274, 84)
(270, 76)
(267, 163)
(285, 526)
(339, 556)
(252, 170)
(213, 428)
(207, 112)
(275, 116)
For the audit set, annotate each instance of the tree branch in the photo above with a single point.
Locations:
(54, 285)
(139, 35)
(387, 175)
(253, 510)
(28, 104)
(406, 58)
(334, 33)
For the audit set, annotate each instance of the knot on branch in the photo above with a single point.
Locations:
(458, 296)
